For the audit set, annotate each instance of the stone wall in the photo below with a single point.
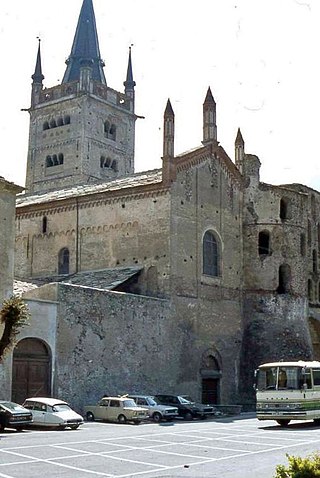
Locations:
(115, 343)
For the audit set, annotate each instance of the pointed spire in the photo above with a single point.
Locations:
(209, 97)
(239, 153)
(85, 48)
(168, 164)
(168, 111)
(129, 84)
(37, 75)
(209, 119)
(168, 131)
(239, 139)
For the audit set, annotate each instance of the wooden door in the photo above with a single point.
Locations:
(30, 370)
(210, 390)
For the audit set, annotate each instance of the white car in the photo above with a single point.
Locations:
(52, 412)
(157, 411)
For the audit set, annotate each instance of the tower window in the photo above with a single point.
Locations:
(44, 224)
(314, 261)
(264, 243)
(67, 119)
(60, 121)
(112, 132)
(284, 209)
(108, 163)
(63, 261)
(109, 130)
(310, 290)
(45, 126)
(54, 160)
(210, 255)
(284, 278)
(303, 244)
(53, 123)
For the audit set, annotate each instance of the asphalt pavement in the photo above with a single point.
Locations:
(234, 447)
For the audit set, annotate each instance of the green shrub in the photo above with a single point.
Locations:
(14, 315)
(298, 467)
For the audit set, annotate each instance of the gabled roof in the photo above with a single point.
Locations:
(85, 49)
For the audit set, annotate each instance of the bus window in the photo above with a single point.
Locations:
(316, 376)
(282, 378)
(307, 377)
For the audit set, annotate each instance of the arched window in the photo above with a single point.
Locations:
(53, 123)
(264, 243)
(284, 278)
(55, 160)
(210, 255)
(45, 125)
(44, 224)
(106, 128)
(60, 122)
(67, 119)
(63, 261)
(49, 162)
(60, 158)
(112, 132)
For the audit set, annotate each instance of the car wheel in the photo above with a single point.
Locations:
(156, 417)
(137, 422)
(74, 427)
(1, 426)
(283, 423)
(19, 429)
(188, 416)
(122, 419)
(90, 417)
(61, 427)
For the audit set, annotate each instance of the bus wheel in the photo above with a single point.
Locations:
(316, 421)
(283, 423)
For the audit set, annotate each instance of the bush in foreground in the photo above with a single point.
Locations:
(298, 467)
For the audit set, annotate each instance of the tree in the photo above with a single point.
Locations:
(14, 315)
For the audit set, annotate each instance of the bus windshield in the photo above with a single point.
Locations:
(279, 378)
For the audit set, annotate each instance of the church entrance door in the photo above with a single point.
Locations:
(30, 370)
(210, 390)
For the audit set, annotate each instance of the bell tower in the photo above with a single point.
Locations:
(81, 131)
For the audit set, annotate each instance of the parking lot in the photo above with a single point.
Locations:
(227, 447)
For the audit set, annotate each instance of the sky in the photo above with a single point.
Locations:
(260, 58)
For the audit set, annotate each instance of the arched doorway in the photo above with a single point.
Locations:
(30, 370)
(210, 377)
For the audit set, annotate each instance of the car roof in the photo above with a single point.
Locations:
(125, 397)
(46, 400)
(139, 396)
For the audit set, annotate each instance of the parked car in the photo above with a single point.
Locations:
(13, 415)
(157, 412)
(52, 412)
(187, 408)
(119, 409)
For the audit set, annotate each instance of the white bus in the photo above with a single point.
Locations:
(288, 391)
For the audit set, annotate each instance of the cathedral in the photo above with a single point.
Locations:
(181, 279)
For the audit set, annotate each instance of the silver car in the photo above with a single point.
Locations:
(157, 412)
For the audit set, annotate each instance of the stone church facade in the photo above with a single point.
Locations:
(180, 279)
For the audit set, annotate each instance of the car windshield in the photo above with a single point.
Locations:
(129, 403)
(151, 401)
(11, 406)
(185, 399)
(61, 407)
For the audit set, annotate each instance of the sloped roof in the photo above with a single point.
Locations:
(107, 279)
(21, 287)
(134, 180)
